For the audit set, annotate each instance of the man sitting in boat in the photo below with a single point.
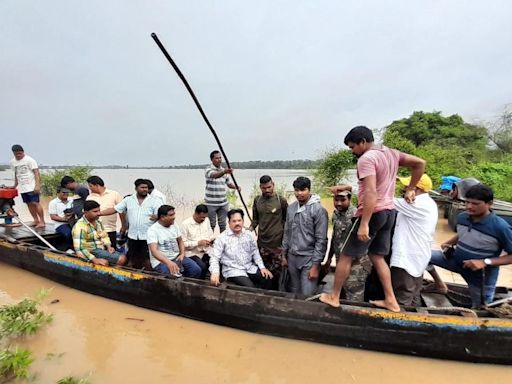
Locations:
(90, 239)
(198, 237)
(459, 188)
(236, 250)
(481, 238)
(166, 248)
(412, 240)
(60, 210)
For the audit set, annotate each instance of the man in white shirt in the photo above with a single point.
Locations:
(60, 210)
(412, 240)
(236, 250)
(198, 237)
(153, 192)
(28, 181)
(167, 252)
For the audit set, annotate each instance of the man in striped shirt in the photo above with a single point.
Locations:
(90, 239)
(217, 180)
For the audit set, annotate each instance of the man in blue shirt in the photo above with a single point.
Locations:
(478, 246)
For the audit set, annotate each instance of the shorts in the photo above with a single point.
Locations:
(380, 229)
(406, 287)
(112, 258)
(30, 197)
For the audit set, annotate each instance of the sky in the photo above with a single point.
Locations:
(82, 82)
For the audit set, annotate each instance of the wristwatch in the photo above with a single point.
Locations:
(487, 261)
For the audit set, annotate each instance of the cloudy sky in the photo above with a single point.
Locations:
(82, 82)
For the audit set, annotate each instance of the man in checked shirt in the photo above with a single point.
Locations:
(236, 250)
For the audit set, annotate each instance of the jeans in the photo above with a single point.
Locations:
(112, 258)
(472, 278)
(187, 267)
(65, 230)
(253, 280)
(218, 214)
(203, 264)
(299, 282)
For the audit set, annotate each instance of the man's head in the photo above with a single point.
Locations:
(200, 213)
(236, 220)
(141, 187)
(69, 183)
(91, 210)
(96, 184)
(18, 151)
(216, 158)
(460, 188)
(266, 186)
(342, 200)
(301, 189)
(166, 215)
(479, 200)
(63, 193)
(151, 186)
(359, 139)
(424, 185)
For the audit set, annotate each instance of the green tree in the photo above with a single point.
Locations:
(51, 180)
(433, 128)
(333, 166)
(500, 130)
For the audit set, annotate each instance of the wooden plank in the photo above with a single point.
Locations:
(435, 300)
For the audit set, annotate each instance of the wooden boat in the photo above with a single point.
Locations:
(452, 208)
(431, 332)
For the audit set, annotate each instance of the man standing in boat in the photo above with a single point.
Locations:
(28, 181)
(269, 216)
(481, 238)
(217, 179)
(305, 238)
(106, 198)
(412, 241)
(377, 167)
(141, 212)
(341, 225)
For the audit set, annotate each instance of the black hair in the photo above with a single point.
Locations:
(201, 208)
(213, 154)
(164, 210)
(265, 179)
(150, 184)
(90, 205)
(480, 192)
(96, 180)
(302, 183)
(140, 181)
(357, 134)
(66, 180)
(17, 148)
(234, 212)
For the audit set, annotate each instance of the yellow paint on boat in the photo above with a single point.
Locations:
(436, 319)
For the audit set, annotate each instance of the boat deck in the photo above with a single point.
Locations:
(23, 233)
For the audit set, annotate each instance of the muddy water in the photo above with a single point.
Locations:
(120, 343)
(111, 342)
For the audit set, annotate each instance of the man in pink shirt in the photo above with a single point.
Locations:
(377, 168)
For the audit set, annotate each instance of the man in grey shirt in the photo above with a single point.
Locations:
(305, 238)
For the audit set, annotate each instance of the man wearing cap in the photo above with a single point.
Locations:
(60, 210)
(342, 224)
(412, 240)
(28, 181)
(459, 188)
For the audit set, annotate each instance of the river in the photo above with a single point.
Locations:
(112, 342)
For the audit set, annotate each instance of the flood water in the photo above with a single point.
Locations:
(111, 342)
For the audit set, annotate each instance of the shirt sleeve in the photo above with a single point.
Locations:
(405, 208)
(366, 167)
(218, 248)
(52, 208)
(321, 223)
(506, 238)
(32, 164)
(121, 207)
(256, 254)
(77, 234)
(151, 236)
(189, 243)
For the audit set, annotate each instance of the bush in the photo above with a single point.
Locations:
(15, 364)
(332, 167)
(51, 180)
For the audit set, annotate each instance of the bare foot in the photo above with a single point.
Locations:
(34, 224)
(11, 225)
(328, 298)
(41, 225)
(393, 307)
